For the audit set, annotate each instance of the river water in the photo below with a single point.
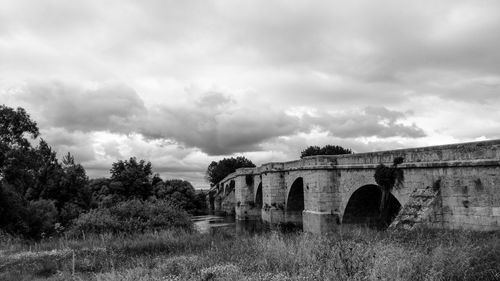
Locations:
(204, 224)
(208, 223)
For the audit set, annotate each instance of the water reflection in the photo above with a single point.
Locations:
(208, 223)
(204, 224)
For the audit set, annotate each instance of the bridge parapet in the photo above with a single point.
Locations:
(483, 150)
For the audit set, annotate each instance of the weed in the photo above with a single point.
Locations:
(176, 254)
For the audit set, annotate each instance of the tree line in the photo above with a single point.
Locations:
(41, 195)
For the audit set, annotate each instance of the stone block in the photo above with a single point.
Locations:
(481, 211)
(495, 211)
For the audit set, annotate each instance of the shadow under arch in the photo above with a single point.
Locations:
(294, 206)
(259, 197)
(295, 200)
(363, 208)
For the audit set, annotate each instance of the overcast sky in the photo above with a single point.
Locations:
(182, 83)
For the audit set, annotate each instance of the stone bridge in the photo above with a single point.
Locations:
(448, 186)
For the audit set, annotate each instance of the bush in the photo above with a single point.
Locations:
(29, 219)
(13, 211)
(42, 218)
(182, 194)
(131, 217)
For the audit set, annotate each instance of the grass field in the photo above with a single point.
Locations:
(354, 254)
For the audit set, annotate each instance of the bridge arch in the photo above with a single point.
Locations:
(295, 197)
(363, 207)
(259, 197)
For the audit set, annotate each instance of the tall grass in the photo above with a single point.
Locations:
(352, 254)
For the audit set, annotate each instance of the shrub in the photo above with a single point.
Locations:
(249, 179)
(30, 219)
(95, 221)
(131, 217)
(42, 218)
(182, 194)
(13, 211)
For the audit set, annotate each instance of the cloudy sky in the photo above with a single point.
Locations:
(182, 83)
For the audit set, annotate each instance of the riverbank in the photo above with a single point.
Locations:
(355, 254)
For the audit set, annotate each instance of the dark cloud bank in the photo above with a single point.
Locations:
(214, 123)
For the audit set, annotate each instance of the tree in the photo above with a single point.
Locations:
(388, 178)
(75, 183)
(156, 179)
(42, 218)
(47, 172)
(217, 171)
(310, 151)
(325, 150)
(65, 184)
(101, 193)
(15, 125)
(36, 190)
(15, 168)
(74, 192)
(182, 194)
(131, 178)
(178, 191)
(13, 210)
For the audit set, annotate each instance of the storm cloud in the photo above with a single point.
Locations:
(369, 122)
(105, 107)
(213, 123)
(183, 83)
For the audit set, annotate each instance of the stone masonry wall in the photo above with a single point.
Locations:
(245, 195)
(469, 196)
(273, 190)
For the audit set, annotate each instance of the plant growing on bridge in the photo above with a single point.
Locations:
(249, 179)
(230, 188)
(388, 178)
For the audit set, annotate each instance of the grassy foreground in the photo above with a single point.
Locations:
(355, 254)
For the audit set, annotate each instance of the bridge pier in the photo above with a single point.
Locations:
(273, 216)
(320, 222)
(248, 212)
(322, 201)
(293, 217)
(273, 192)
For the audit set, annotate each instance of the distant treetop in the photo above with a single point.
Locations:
(217, 171)
(325, 150)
